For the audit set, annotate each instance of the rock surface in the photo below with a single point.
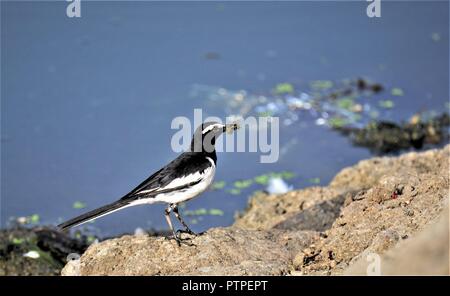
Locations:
(375, 206)
(226, 251)
(423, 254)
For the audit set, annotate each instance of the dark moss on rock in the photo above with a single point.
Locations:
(51, 247)
(382, 137)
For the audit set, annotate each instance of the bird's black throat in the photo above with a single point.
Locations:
(198, 147)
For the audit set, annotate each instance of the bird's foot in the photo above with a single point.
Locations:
(188, 231)
(179, 240)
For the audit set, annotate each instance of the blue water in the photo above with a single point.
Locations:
(86, 104)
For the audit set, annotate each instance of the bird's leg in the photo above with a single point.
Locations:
(167, 215)
(187, 229)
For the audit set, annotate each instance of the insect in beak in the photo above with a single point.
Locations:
(229, 128)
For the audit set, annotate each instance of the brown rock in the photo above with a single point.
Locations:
(424, 254)
(219, 251)
(398, 205)
(370, 208)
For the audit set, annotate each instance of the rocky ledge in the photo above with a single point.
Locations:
(391, 210)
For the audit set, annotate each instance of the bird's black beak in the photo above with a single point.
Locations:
(228, 128)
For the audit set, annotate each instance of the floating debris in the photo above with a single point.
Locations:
(79, 205)
(337, 122)
(216, 212)
(262, 180)
(314, 180)
(278, 186)
(387, 104)
(140, 231)
(265, 114)
(32, 255)
(243, 184)
(234, 191)
(374, 114)
(321, 84)
(396, 91)
(298, 103)
(198, 212)
(33, 219)
(92, 239)
(204, 212)
(17, 241)
(22, 220)
(218, 185)
(284, 88)
(321, 121)
(342, 103)
(347, 105)
(357, 108)
(364, 85)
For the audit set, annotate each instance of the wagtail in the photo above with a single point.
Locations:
(190, 174)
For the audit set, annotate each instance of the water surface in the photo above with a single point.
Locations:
(86, 104)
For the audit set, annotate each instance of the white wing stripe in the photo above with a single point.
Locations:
(191, 178)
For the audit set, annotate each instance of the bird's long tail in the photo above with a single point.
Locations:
(102, 211)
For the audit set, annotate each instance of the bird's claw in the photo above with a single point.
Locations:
(188, 231)
(178, 239)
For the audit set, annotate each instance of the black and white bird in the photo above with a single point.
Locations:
(187, 176)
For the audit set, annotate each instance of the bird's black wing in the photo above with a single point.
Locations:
(185, 165)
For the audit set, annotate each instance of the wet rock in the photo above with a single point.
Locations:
(383, 137)
(47, 247)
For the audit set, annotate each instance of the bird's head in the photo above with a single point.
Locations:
(205, 135)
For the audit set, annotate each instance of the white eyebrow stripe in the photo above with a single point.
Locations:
(210, 127)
